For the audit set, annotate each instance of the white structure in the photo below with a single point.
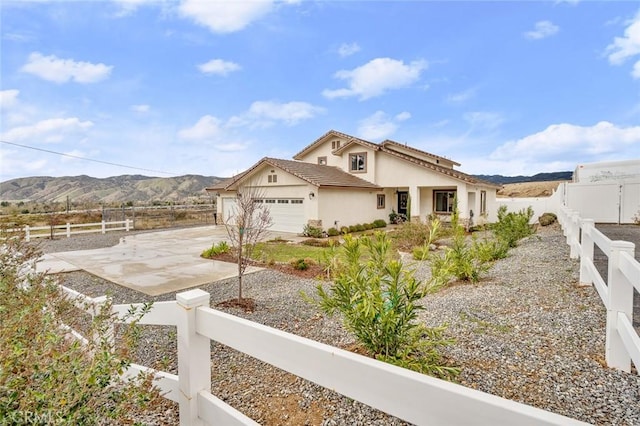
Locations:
(340, 180)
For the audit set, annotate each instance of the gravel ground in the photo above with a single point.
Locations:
(526, 332)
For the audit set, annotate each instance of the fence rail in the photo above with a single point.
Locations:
(70, 229)
(411, 396)
(623, 275)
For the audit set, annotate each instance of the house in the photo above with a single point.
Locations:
(340, 180)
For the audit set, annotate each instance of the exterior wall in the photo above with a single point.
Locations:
(612, 171)
(324, 150)
(616, 202)
(349, 207)
(371, 166)
(441, 162)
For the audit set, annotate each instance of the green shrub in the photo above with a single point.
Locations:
(353, 228)
(488, 250)
(420, 252)
(359, 227)
(379, 223)
(300, 264)
(547, 219)
(333, 232)
(345, 230)
(316, 242)
(48, 373)
(512, 227)
(378, 299)
(216, 249)
(312, 231)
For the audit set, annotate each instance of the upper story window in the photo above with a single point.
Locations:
(358, 162)
(322, 161)
(335, 144)
(272, 178)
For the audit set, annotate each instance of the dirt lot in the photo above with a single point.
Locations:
(529, 189)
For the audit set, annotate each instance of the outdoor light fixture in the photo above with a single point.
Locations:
(311, 195)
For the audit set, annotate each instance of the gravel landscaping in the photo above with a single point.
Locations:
(526, 332)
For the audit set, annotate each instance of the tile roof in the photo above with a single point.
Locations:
(389, 143)
(312, 144)
(319, 175)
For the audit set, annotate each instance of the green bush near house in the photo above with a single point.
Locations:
(379, 223)
(512, 227)
(312, 231)
(216, 249)
(378, 299)
(333, 232)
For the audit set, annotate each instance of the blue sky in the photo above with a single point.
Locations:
(202, 87)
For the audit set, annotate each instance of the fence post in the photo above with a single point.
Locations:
(27, 234)
(194, 355)
(574, 235)
(586, 251)
(620, 301)
(104, 228)
(126, 225)
(68, 230)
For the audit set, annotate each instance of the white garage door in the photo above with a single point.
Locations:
(229, 208)
(287, 214)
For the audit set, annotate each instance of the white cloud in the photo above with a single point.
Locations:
(50, 130)
(348, 49)
(52, 68)
(377, 77)
(219, 67)
(208, 127)
(140, 108)
(8, 98)
(290, 113)
(379, 125)
(461, 97)
(636, 70)
(542, 29)
(571, 141)
(403, 116)
(627, 46)
(484, 119)
(225, 16)
(127, 7)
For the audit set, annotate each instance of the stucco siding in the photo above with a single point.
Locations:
(349, 208)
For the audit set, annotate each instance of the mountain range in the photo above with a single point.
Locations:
(138, 188)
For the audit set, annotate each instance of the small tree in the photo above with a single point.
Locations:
(247, 224)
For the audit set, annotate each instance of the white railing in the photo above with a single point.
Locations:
(623, 272)
(411, 396)
(70, 229)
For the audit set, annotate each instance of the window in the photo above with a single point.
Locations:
(335, 144)
(272, 178)
(444, 201)
(358, 162)
(322, 161)
(381, 201)
(296, 201)
(283, 201)
(483, 202)
(270, 201)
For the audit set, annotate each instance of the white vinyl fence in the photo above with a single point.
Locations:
(411, 396)
(622, 341)
(69, 229)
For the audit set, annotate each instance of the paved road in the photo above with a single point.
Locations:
(626, 233)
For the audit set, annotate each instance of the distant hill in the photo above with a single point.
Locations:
(540, 177)
(116, 189)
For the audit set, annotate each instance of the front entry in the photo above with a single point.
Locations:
(403, 202)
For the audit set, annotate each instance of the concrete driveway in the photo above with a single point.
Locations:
(152, 263)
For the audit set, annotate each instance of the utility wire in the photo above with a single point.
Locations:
(86, 159)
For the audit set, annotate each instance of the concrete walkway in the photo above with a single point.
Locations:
(153, 263)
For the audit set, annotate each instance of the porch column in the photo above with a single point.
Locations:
(463, 201)
(414, 196)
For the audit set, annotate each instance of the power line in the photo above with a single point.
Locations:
(86, 159)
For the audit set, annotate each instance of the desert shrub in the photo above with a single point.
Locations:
(45, 371)
(333, 232)
(216, 249)
(312, 231)
(378, 299)
(300, 264)
(488, 250)
(547, 219)
(512, 227)
(420, 252)
(379, 223)
(315, 242)
(368, 226)
(411, 234)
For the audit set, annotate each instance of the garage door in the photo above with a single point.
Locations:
(287, 214)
